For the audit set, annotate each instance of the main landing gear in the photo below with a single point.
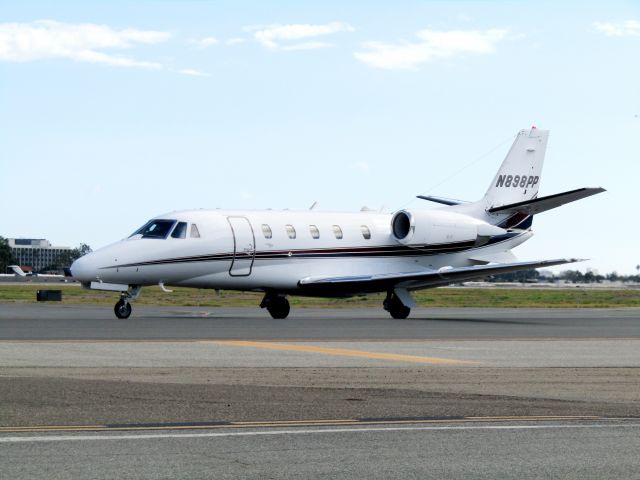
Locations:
(277, 305)
(395, 307)
(123, 309)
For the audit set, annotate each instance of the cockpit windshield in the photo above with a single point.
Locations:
(180, 231)
(155, 229)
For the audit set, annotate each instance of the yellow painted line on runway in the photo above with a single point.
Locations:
(293, 422)
(302, 423)
(332, 340)
(341, 352)
(536, 417)
(53, 428)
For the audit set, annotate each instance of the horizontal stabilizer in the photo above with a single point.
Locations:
(442, 200)
(542, 204)
(420, 279)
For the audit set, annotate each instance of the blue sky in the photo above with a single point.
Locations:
(114, 112)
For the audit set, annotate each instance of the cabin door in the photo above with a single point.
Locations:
(244, 246)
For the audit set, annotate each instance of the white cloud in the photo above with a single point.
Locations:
(235, 41)
(630, 28)
(306, 46)
(361, 166)
(193, 72)
(283, 36)
(432, 45)
(204, 42)
(82, 42)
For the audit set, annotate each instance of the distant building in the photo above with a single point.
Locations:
(36, 253)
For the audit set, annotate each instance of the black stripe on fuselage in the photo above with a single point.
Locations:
(353, 252)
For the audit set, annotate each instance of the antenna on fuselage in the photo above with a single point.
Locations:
(313, 205)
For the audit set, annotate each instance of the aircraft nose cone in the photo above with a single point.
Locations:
(81, 269)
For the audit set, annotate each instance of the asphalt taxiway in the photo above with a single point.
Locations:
(324, 392)
(548, 449)
(68, 322)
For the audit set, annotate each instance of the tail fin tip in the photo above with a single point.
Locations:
(518, 178)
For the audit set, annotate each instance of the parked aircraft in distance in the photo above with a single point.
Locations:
(18, 272)
(330, 254)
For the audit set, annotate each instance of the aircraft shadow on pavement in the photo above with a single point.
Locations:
(472, 320)
(299, 321)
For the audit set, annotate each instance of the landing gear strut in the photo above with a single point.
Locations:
(395, 307)
(277, 305)
(123, 308)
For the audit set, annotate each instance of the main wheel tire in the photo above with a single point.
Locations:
(396, 308)
(122, 309)
(279, 307)
(399, 311)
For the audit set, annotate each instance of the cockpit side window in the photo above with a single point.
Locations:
(180, 231)
(195, 233)
(155, 229)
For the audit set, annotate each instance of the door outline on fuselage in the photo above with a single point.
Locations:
(240, 232)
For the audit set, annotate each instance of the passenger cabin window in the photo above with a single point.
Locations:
(266, 231)
(337, 231)
(315, 233)
(180, 231)
(195, 233)
(366, 233)
(291, 232)
(155, 229)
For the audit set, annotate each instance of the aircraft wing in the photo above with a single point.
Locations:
(417, 280)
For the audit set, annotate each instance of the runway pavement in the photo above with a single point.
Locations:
(548, 449)
(271, 386)
(68, 322)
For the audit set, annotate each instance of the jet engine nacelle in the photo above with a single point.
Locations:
(433, 227)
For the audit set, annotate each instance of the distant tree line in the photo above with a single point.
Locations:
(571, 276)
(6, 256)
(67, 258)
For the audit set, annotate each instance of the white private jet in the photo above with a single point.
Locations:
(327, 254)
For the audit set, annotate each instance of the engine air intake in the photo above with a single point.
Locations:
(401, 225)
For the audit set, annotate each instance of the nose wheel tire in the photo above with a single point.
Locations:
(396, 308)
(122, 309)
(278, 307)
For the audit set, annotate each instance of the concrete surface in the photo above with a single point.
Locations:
(373, 383)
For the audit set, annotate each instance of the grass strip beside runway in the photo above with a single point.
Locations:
(441, 297)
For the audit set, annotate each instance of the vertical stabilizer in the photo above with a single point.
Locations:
(518, 178)
(17, 270)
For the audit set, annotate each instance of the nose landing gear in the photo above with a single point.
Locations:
(277, 305)
(123, 308)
